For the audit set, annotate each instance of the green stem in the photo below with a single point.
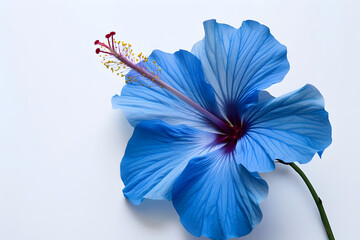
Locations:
(316, 198)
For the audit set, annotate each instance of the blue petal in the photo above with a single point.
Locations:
(217, 198)
(264, 96)
(239, 62)
(292, 128)
(182, 71)
(156, 155)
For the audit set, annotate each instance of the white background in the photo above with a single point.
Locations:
(61, 142)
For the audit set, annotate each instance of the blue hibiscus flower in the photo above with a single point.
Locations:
(205, 127)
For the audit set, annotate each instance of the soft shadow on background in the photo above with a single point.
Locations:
(154, 214)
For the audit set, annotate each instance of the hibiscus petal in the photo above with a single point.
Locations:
(292, 128)
(217, 198)
(239, 62)
(156, 155)
(182, 71)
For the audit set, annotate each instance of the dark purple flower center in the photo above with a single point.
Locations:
(236, 127)
(228, 138)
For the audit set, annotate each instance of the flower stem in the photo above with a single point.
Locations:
(317, 200)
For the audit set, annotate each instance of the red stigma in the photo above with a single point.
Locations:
(97, 50)
(112, 33)
(96, 42)
(107, 35)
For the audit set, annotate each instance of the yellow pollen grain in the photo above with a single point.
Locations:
(120, 68)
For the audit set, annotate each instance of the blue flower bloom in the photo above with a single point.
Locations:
(205, 157)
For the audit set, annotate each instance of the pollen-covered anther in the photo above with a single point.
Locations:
(119, 56)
